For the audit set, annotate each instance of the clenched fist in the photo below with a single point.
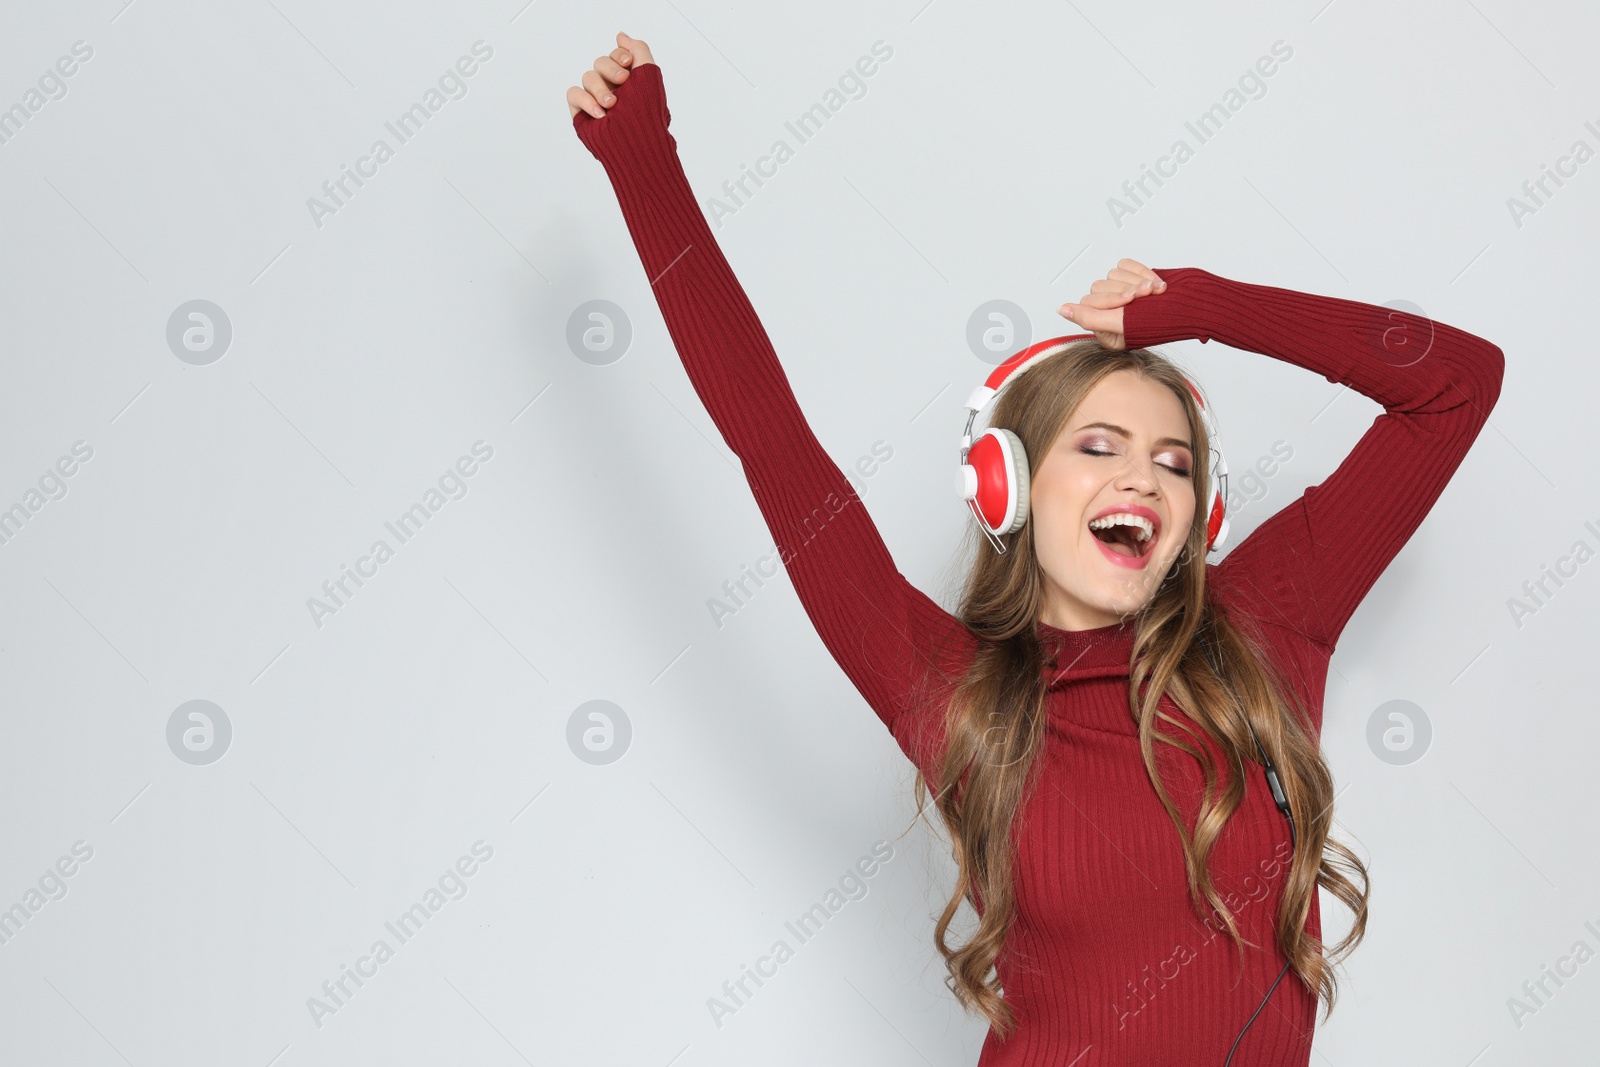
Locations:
(1101, 309)
(610, 71)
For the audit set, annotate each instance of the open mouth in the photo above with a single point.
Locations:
(1124, 539)
(1126, 535)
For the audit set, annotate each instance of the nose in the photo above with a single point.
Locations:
(1138, 475)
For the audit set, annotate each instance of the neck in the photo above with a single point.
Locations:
(1064, 613)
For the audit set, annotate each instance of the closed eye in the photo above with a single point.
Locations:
(1181, 472)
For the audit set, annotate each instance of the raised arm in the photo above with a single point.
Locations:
(1309, 566)
(885, 634)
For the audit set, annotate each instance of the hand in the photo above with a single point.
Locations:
(1101, 309)
(610, 71)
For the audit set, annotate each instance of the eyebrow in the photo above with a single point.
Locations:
(1114, 428)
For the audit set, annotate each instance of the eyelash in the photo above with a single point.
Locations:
(1174, 470)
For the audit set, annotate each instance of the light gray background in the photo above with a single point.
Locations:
(431, 711)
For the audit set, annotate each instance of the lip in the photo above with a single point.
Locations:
(1131, 562)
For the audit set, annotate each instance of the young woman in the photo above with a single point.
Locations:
(1096, 702)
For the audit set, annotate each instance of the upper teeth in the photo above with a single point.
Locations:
(1146, 527)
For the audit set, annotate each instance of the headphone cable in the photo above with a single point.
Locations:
(1273, 782)
(1280, 799)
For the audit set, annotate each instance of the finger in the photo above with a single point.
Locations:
(1109, 299)
(1106, 285)
(1110, 340)
(639, 50)
(599, 88)
(579, 100)
(613, 72)
(1139, 269)
(1132, 280)
(1090, 318)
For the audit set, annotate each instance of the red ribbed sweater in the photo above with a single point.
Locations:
(1107, 962)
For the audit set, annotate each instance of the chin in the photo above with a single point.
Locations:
(1123, 584)
(1135, 594)
(1110, 587)
(1129, 602)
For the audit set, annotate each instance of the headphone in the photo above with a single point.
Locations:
(993, 476)
(994, 480)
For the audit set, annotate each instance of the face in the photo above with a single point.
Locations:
(1126, 451)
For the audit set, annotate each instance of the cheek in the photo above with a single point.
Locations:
(1059, 531)
(1054, 535)
(1057, 504)
(1183, 514)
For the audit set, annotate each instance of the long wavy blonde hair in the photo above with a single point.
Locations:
(995, 717)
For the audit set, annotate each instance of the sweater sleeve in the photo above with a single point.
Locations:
(889, 638)
(1308, 567)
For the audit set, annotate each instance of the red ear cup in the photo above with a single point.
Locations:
(993, 479)
(1216, 521)
(1217, 509)
(1000, 486)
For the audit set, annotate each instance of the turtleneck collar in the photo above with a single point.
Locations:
(1101, 652)
(1075, 656)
